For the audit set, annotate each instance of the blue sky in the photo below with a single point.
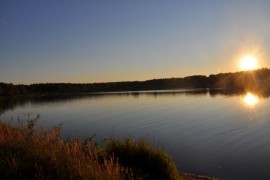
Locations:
(124, 40)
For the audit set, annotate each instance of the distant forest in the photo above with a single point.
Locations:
(257, 80)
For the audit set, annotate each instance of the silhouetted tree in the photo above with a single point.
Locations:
(258, 80)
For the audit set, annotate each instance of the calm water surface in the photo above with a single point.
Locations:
(227, 136)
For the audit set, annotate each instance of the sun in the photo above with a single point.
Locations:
(248, 62)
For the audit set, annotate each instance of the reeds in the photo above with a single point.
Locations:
(27, 152)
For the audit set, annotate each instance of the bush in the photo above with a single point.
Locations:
(144, 161)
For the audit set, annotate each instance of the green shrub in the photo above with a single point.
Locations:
(145, 162)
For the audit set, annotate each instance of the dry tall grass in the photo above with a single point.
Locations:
(27, 153)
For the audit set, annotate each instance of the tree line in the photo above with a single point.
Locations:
(257, 80)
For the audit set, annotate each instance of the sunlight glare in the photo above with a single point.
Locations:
(248, 62)
(251, 99)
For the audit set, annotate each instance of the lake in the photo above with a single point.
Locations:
(218, 134)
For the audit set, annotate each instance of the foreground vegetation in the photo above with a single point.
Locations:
(27, 152)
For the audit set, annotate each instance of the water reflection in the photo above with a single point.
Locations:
(205, 131)
(251, 99)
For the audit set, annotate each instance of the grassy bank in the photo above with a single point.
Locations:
(27, 152)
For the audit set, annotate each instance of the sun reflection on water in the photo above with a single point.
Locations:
(251, 99)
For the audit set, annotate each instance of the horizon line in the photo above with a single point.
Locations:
(133, 80)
